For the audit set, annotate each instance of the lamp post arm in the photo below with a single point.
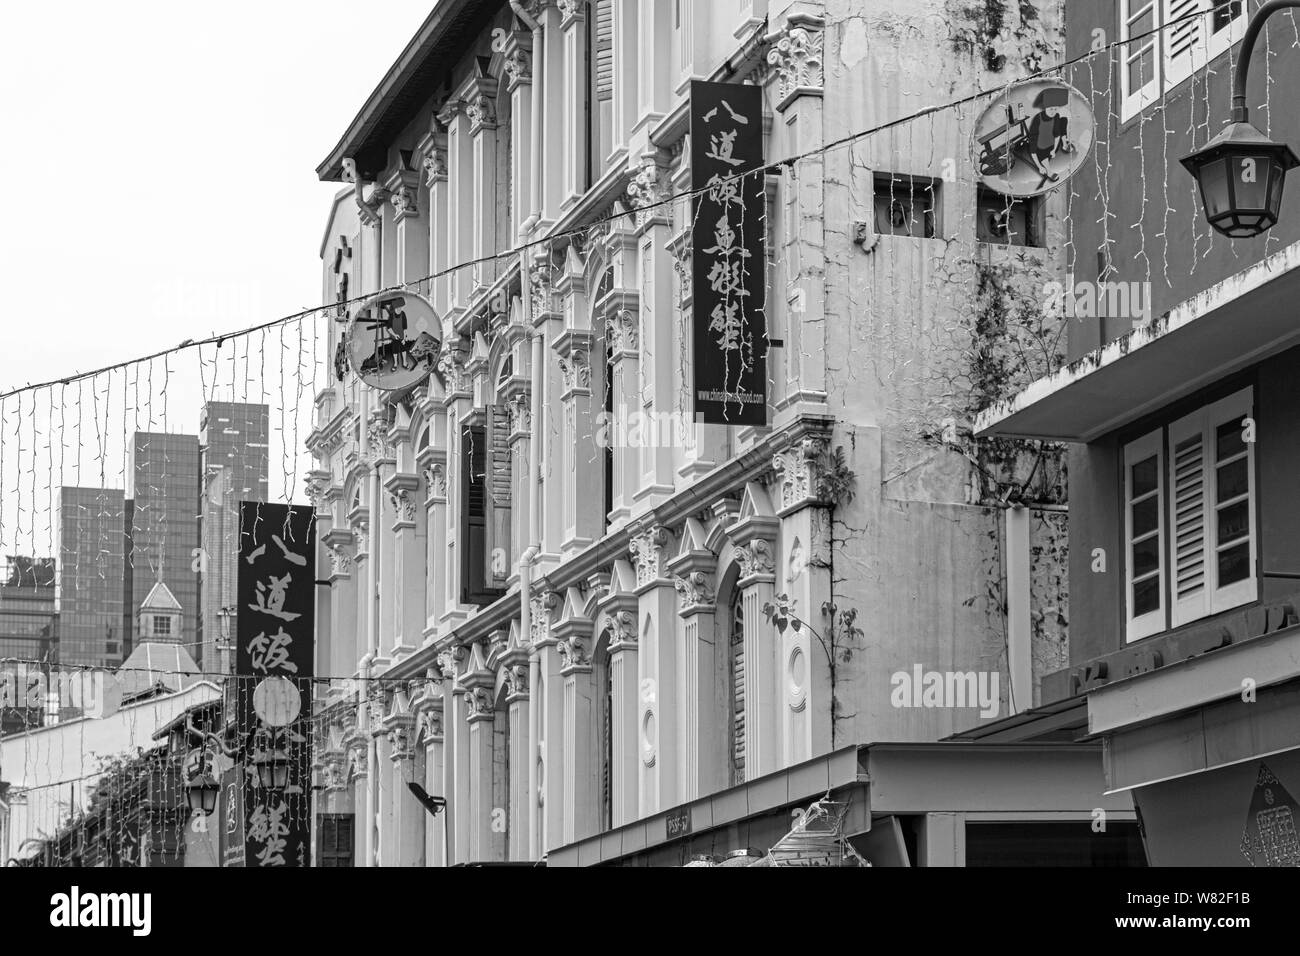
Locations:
(1239, 111)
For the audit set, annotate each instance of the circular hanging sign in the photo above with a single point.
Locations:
(393, 340)
(1032, 138)
(277, 702)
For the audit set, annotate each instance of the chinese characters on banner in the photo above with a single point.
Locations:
(274, 664)
(728, 238)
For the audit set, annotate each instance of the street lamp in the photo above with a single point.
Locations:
(272, 770)
(1240, 171)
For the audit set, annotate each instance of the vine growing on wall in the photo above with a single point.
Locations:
(842, 629)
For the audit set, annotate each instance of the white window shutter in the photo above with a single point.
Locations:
(1225, 26)
(1188, 519)
(1184, 42)
(1145, 561)
(1231, 502)
(1139, 60)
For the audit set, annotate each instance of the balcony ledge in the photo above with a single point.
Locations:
(1233, 324)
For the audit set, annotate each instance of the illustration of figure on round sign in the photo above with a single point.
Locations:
(1023, 142)
(394, 340)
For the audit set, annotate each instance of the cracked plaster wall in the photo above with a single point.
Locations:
(922, 333)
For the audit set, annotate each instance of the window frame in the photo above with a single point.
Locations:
(1145, 625)
(1171, 71)
(1213, 598)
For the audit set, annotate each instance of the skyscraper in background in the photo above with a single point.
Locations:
(235, 446)
(165, 522)
(28, 632)
(93, 535)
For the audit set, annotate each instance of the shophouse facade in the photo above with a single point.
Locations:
(549, 589)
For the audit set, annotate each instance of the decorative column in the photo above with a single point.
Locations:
(579, 466)
(411, 242)
(427, 709)
(573, 26)
(406, 814)
(359, 523)
(480, 712)
(515, 662)
(755, 538)
(455, 764)
(433, 465)
(433, 148)
(406, 584)
(339, 544)
(795, 54)
(540, 606)
(480, 109)
(658, 315)
(459, 403)
(618, 610)
(548, 184)
(804, 672)
(356, 744)
(658, 707)
(385, 845)
(626, 68)
(702, 673)
(693, 43)
(460, 183)
(383, 552)
(581, 769)
(518, 66)
(654, 82)
(544, 319)
(549, 709)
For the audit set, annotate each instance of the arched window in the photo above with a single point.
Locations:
(736, 686)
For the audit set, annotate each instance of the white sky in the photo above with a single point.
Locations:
(158, 166)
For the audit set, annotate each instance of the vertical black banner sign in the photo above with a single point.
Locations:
(728, 239)
(274, 664)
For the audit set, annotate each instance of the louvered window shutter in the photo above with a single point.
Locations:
(1185, 41)
(500, 441)
(604, 49)
(1189, 545)
(737, 650)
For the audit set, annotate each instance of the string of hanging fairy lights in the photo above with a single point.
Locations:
(243, 364)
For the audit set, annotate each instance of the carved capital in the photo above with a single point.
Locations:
(340, 560)
(481, 112)
(796, 472)
(435, 166)
(478, 703)
(623, 332)
(795, 54)
(622, 630)
(756, 559)
(406, 204)
(648, 188)
(575, 654)
(435, 479)
(695, 591)
(576, 369)
(518, 66)
(649, 555)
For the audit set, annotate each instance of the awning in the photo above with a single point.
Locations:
(1230, 326)
(1199, 715)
